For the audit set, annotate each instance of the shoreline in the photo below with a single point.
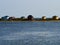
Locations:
(34, 21)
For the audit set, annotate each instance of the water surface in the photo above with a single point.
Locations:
(29, 33)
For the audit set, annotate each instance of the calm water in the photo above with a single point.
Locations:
(29, 33)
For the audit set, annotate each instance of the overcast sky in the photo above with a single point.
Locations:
(37, 8)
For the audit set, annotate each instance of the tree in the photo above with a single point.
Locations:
(55, 17)
(11, 18)
(30, 17)
(5, 17)
(22, 17)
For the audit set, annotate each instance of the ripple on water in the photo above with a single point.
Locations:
(32, 38)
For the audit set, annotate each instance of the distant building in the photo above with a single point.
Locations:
(30, 17)
(55, 17)
(43, 17)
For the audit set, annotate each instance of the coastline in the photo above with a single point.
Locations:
(35, 21)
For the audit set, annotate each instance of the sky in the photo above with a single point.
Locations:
(37, 8)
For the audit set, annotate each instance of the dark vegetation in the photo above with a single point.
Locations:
(29, 18)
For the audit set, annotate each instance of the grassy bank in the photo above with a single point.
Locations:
(31, 21)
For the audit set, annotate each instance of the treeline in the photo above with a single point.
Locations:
(29, 18)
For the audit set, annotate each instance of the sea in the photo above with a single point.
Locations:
(29, 33)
